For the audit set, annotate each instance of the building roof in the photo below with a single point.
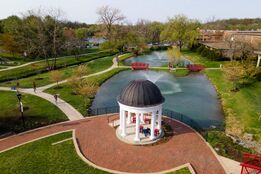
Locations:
(141, 93)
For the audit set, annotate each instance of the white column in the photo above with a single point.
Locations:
(129, 117)
(159, 119)
(120, 118)
(137, 135)
(152, 128)
(142, 118)
(123, 130)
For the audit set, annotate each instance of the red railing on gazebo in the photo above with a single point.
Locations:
(139, 66)
(195, 67)
(251, 164)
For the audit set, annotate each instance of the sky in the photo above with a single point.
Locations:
(155, 10)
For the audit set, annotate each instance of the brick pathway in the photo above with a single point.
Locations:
(100, 145)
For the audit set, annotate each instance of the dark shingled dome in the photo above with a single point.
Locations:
(141, 93)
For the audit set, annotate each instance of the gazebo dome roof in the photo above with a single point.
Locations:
(141, 93)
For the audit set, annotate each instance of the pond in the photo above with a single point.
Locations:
(193, 95)
(155, 59)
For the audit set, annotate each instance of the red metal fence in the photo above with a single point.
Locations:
(251, 164)
(139, 66)
(195, 67)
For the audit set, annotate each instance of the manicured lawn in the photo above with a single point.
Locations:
(37, 112)
(124, 57)
(42, 157)
(44, 78)
(181, 171)
(40, 67)
(242, 108)
(77, 101)
(177, 73)
(197, 58)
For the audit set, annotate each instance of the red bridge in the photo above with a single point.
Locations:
(139, 66)
(251, 164)
(195, 67)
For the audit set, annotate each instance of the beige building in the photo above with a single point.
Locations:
(226, 40)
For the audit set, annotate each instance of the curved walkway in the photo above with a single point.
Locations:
(114, 65)
(99, 144)
(65, 107)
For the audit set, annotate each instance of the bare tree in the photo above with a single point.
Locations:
(108, 17)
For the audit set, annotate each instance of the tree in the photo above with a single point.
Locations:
(108, 17)
(39, 33)
(239, 48)
(80, 71)
(174, 56)
(74, 82)
(181, 30)
(72, 43)
(55, 76)
(234, 72)
(9, 44)
(1, 26)
(88, 90)
(55, 32)
(155, 28)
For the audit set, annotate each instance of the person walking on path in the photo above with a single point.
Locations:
(55, 98)
(34, 86)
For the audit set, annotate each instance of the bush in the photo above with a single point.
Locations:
(225, 146)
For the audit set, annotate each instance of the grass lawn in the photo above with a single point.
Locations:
(177, 73)
(37, 112)
(197, 58)
(181, 171)
(242, 108)
(44, 78)
(18, 59)
(77, 101)
(124, 57)
(40, 67)
(42, 157)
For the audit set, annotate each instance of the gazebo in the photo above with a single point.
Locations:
(141, 104)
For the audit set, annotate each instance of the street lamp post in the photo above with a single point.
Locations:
(19, 96)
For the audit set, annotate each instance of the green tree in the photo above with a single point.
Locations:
(240, 73)
(155, 28)
(181, 30)
(9, 43)
(87, 91)
(174, 56)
